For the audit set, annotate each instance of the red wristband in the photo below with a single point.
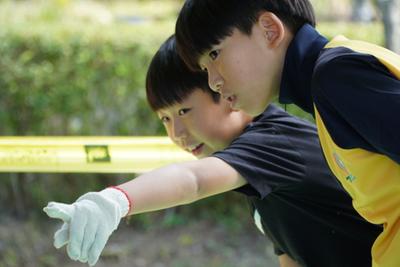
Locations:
(127, 197)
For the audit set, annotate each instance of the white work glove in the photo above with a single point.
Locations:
(88, 222)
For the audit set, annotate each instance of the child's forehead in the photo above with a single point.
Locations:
(194, 93)
(197, 96)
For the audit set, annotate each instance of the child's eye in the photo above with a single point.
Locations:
(213, 54)
(183, 111)
(164, 119)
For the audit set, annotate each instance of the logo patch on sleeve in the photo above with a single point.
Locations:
(340, 163)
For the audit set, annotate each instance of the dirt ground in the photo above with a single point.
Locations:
(28, 244)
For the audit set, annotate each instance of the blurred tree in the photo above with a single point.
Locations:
(363, 11)
(391, 19)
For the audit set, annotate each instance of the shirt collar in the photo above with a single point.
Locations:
(300, 59)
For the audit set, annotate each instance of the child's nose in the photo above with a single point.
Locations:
(178, 131)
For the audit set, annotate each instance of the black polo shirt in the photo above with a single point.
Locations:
(303, 208)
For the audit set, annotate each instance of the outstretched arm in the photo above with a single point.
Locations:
(181, 183)
(90, 220)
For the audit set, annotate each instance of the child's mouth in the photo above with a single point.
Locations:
(197, 150)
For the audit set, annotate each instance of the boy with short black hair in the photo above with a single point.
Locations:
(255, 51)
(276, 162)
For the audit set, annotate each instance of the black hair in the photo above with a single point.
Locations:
(202, 24)
(170, 81)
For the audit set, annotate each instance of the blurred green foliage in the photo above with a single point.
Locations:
(61, 75)
(55, 82)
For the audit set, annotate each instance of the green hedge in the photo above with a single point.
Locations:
(56, 81)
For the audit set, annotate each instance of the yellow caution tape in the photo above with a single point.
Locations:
(88, 154)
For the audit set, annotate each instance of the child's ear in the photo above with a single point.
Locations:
(272, 27)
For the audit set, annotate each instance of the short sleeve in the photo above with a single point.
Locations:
(265, 158)
(366, 96)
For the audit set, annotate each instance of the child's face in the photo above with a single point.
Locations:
(246, 70)
(201, 126)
